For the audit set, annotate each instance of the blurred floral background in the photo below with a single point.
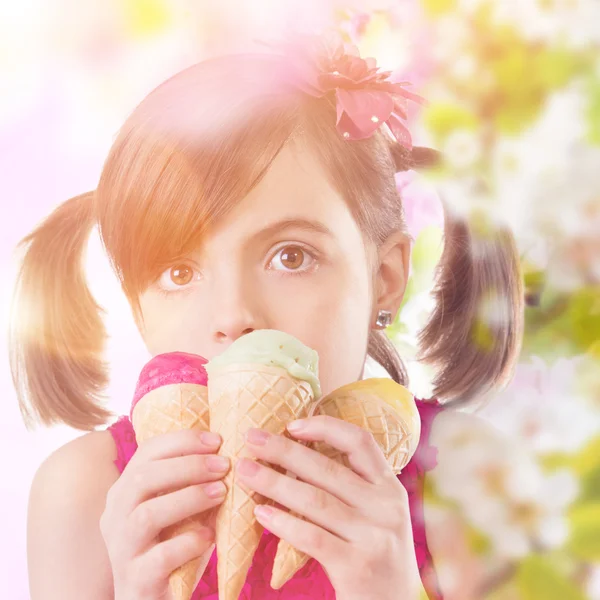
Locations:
(513, 91)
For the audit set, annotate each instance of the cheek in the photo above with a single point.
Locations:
(164, 328)
(343, 343)
(333, 319)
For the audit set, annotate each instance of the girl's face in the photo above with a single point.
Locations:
(290, 257)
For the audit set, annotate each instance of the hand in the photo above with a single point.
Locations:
(358, 525)
(165, 482)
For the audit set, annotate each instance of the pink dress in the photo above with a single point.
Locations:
(311, 581)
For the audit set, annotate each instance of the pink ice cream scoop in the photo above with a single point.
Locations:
(170, 369)
(172, 395)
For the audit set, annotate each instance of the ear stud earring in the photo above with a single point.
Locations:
(384, 319)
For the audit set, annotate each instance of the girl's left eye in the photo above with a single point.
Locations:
(292, 259)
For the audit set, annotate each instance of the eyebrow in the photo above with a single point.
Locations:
(293, 223)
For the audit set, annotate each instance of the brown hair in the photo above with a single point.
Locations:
(187, 154)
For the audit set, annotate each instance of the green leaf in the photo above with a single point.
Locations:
(426, 253)
(534, 279)
(587, 460)
(590, 488)
(584, 316)
(538, 579)
(585, 532)
(520, 89)
(565, 325)
(584, 463)
(554, 67)
(511, 68)
(442, 119)
(517, 113)
(555, 461)
(478, 542)
(397, 328)
(593, 112)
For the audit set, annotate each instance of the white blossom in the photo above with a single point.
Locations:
(549, 170)
(573, 22)
(500, 488)
(593, 584)
(462, 149)
(542, 407)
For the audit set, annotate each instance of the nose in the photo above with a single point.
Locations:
(235, 311)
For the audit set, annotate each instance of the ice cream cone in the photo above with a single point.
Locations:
(171, 395)
(243, 396)
(169, 408)
(384, 408)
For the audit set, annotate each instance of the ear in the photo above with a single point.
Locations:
(392, 274)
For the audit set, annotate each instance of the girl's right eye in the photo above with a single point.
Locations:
(177, 277)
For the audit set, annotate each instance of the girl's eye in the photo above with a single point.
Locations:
(292, 258)
(176, 277)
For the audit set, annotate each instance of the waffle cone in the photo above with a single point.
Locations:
(397, 434)
(163, 410)
(244, 396)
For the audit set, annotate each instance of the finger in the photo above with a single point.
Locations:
(159, 562)
(312, 502)
(170, 474)
(364, 455)
(309, 465)
(307, 537)
(152, 516)
(175, 443)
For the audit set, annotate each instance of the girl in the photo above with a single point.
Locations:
(248, 192)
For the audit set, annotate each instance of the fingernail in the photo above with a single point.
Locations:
(258, 437)
(210, 439)
(247, 467)
(217, 464)
(215, 489)
(263, 512)
(296, 426)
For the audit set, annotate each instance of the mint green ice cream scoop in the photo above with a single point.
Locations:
(272, 348)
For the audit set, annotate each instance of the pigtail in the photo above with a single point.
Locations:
(382, 350)
(56, 332)
(418, 157)
(474, 334)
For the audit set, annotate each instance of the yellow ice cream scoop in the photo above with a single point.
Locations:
(379, 405)
(396, 396)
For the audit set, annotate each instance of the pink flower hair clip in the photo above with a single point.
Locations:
(366, 98)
